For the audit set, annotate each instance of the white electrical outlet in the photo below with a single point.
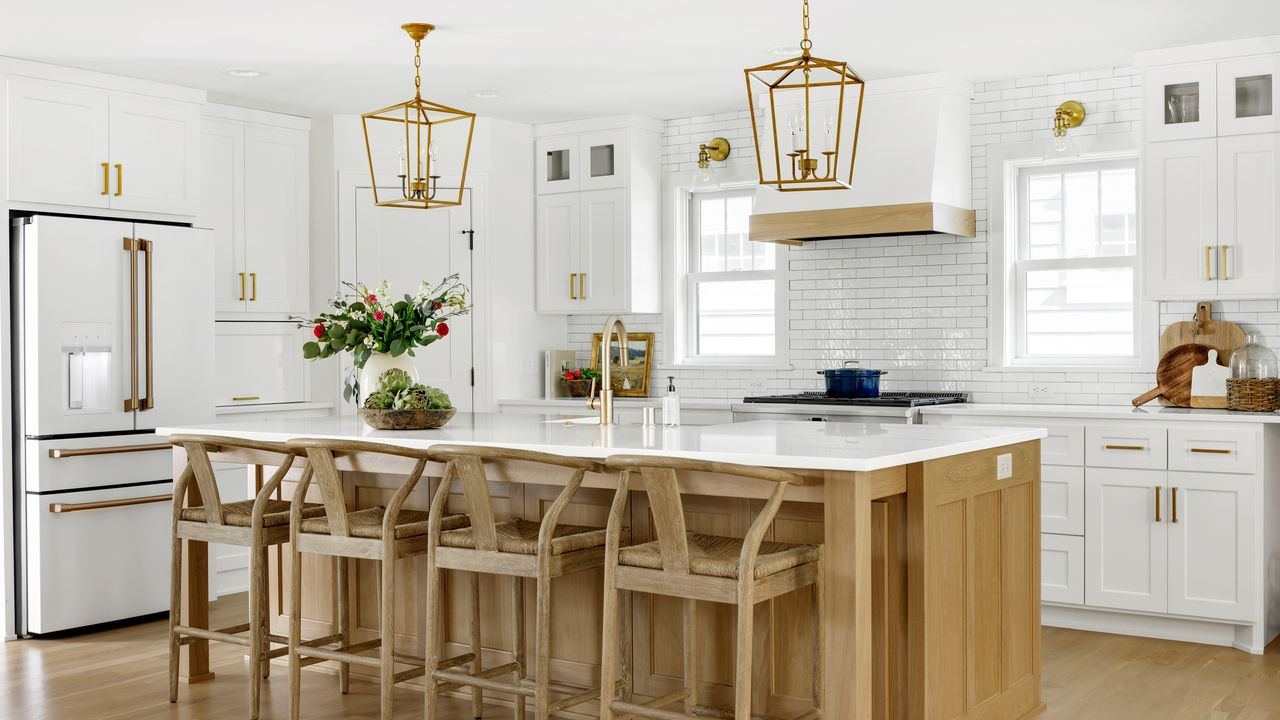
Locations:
(1004, 466)
(1042, 392)
(755, 387)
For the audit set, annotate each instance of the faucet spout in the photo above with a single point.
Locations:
(604, 403)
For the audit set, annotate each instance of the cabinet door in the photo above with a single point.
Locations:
(1062, 569)
(275, 219)
(155, 155)
(1248, 215)
(1062, 500)
(1181, 102)
(604, 261)
(1247, 100)
(57, 144)
(557, 253)
(1179, 217)
(557, 164)
(222, 209)
(602, 160)
(1211, 545)
(259, 363)
(1126, 539)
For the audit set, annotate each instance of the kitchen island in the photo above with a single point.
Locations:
(932, 587)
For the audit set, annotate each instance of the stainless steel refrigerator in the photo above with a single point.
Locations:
(112, 337)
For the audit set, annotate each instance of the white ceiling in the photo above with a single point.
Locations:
(565, 59)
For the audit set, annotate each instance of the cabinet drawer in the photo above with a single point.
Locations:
(1214, 450)
(1062, 569)
(1126, 446)
(1064, 444)
(1062, 500)
(259, 363)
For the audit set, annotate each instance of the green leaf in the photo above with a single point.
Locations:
(397, 347)
(311, 350)
(337, 343)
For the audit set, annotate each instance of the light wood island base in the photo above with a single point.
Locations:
(932, 589)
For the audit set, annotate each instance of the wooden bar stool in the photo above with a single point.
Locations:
(710, 568)
(256, 524)
(516, 548)
(377, 533)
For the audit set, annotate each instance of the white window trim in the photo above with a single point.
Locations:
(676, 196)
(1003, 163)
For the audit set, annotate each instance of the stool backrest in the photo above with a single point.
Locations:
(322, 454)
(200, 468)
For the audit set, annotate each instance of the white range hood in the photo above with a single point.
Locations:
(911, 174)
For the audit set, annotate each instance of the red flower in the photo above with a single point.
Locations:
(371, 299)
(378, 315)
(442, 329)
(437, 305)
(568, 375)
(318, 330)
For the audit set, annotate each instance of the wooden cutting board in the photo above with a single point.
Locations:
(1173, 376)
(1220, 335)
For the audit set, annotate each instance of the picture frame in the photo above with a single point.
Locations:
(633, 380)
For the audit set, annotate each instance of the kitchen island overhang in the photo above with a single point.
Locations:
(922, 531)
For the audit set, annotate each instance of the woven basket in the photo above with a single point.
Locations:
(1255, 395)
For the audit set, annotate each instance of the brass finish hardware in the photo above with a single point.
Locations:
(1208, 262)
(58, 453)
(148, 401)
(1174, 492)
(246, 398)
(131, 247)
(1158, 489)
(1215, 451)
(253, 284)
(1124, 447)
(573, 293)
(582, 286)
(106, 178)
(717, 149)
(1222, 264)
(242, 286)
(119, 179)
(77, 507)
(1069, 115)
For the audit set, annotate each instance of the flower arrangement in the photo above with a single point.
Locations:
(365, 321)
(578, 381)
(582, 374)
(397, 391)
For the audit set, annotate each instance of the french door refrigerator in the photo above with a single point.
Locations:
(112, 337)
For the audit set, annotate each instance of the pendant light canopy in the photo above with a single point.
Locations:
(419, 142)
(805, 116)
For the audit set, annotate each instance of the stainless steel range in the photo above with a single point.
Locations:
(900, 407)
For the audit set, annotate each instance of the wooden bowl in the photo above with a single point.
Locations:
(406, 419)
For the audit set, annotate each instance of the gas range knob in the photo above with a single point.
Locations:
(818, 419)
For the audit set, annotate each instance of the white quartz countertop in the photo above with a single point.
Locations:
(1152, 411)
(796, 445)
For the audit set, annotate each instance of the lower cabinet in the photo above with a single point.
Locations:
(1210, 556)
(1062, 568)
(1126, 539)
(259, 363)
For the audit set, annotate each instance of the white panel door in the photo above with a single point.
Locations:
(1062, 569)
(57, 144)
(155, 155)
(1179, 217)
(276, 186)
(1248, 215)
(178, 355)
(558, 249)
(603, 256)
(1211, 545)
(1126, 539)
(222, 209)
(405, 247)
(260, 363)
(1062, 500)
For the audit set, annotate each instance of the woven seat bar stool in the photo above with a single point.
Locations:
(518, 549)
(709, 568)
(378, 533)
(256, 524)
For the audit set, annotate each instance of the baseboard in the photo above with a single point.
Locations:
(1203, 632)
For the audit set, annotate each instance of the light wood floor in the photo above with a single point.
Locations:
(120, 673)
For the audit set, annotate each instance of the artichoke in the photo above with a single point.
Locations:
(394, 380)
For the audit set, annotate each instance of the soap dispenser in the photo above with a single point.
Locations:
(671, 404)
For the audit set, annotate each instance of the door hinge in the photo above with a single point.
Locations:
(471, 239)
(473, 377)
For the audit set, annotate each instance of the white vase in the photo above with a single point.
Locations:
(379, 363)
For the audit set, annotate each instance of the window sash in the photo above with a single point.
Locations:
(1028, 173)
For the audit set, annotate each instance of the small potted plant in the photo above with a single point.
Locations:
(398, 403)
(578, 381)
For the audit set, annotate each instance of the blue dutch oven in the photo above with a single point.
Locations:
(852, 382)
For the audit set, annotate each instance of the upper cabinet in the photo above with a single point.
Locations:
(1180, 102)
(1247, 102)
(598, 213)
(76, 145)
(254, 190)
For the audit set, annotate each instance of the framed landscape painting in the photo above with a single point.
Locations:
(632, 380)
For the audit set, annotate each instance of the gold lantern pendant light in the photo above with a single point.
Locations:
(805, 116)
(428, 134)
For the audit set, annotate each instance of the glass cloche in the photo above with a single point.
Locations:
(1253, 360)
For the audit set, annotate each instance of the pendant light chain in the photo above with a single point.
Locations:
(806, 44)
(417, 68)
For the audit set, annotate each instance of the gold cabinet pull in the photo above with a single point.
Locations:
(131, 247)
(1174, 494)
(573, 293)
(106, 178)
(1222, 264)
(246, 398)
(253, 287)
(57, 453)
(1213, 451)
(582, 286)
(1208, 261)
(1158, 489)
(1124, 447)
(119, 179)
(148, 249)
(77, 507)
(242, 286)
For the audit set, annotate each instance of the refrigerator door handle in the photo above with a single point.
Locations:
(131, 247)
(148, 401)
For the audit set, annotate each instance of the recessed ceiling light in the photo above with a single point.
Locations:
(785, 51)
(486, 94)
(244, 72)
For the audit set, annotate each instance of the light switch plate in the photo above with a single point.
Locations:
(1004, 466)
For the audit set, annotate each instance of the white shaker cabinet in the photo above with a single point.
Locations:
(1247, 97)
(155, 155)
(559, 245)
(222, 207)
(1210, 569)
(1248, 211)
(581, 263)
(1180, 102)
(1126, 539)
(1180, 218)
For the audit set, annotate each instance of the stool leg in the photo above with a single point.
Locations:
(257, 613)
(477, 694)
(431, 638)
(344, 622)
(608, 642)
(542, 647)
(295, 634)
(819, 641)
(517, 638)
(175, 611)
(388, 630)
(743, 657)
(264, 577)
(691, 653)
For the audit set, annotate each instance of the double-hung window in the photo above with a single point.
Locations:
(731, 286)
(1074, 265)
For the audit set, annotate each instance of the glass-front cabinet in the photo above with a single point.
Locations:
(1180, 102)
(1246, 95)
(557, 164)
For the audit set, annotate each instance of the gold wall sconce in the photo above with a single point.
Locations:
(1068, 116)
(704, 179)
